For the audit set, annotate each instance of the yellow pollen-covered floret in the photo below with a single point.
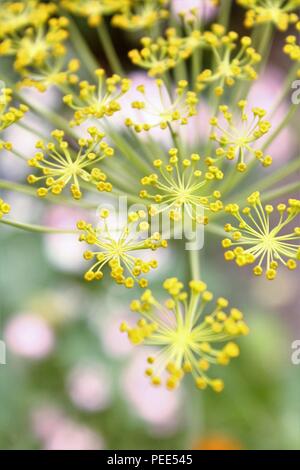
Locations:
(258, 240)
(176, 109)
(61, 165)
(236, 135)
(180, 187)
(282, 13)
(118, 248)
(97, 101)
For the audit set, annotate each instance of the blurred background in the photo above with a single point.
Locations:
(72, 380)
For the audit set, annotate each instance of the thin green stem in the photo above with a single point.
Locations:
(176, 140)
(281, 126)
(194, 260)
(214, 229)
(286, 88)
(21, 188)
(81, 47)
(224, 12)
(36, 228)
(58, 121)
(109, 48)
(278, 192)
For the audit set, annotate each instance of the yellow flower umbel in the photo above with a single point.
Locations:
(15, 16)
(9, 114)
(62, 166)
(118, 249)
(4, 208)
(237, 140)
(140, 14)
(93, 10)
(97, 101)
(187, 332)
(169, 110)
(52, 73)
(229, 66)
(182, 188)
(256, 239)
(37, 44)
(279, 12)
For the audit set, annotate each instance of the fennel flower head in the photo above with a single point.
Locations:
(190, 336)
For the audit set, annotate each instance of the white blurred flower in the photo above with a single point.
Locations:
(158, 406)
(205, 9)
(29, 336)
(64, 251)
(89, 387)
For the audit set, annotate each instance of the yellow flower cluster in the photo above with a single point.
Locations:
(186, 342)
(60, 165)
(164, 53)
(258, 240)
(292, 47)
(18, 15)
(9, 114)
(230, 65)
(97, 101)
(119, 247)
(279, 12)
(140, 14)
(93, 10)
(4, 208)
(36, 44)
(178, 109)
(181, 187)
(53, 73)
(236, 142)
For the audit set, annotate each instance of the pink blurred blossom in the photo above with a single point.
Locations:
(89, 387)
(264, 93)
(156, 405)
(114, 342)
(59, 432)
(28, 335)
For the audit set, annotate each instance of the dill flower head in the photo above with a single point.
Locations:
(61, 166)
(15, 16)
(52, 73)
(9, 114)
(93, 10)
(98, 101)
(118, 249)
(230, 65)
(178, 109)
(237, 140)
(257, 239)
(181, 187)
(141, 14)
(4, 208)
(186, 330)
(37, 44)
(279, 12)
